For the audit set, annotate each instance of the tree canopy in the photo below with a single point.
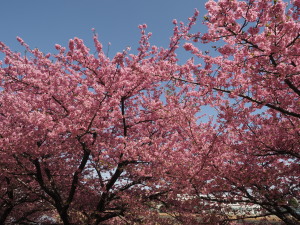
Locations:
(88, 139)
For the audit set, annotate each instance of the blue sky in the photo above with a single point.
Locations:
(44, 23)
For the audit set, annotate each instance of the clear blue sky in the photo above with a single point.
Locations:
(44, 23)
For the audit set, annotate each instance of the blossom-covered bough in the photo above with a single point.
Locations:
(85, 139)
(254, 85)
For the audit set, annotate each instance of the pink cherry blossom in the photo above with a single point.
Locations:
(88, 139)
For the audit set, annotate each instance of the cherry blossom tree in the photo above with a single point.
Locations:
(253, 82)
(85, 139)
